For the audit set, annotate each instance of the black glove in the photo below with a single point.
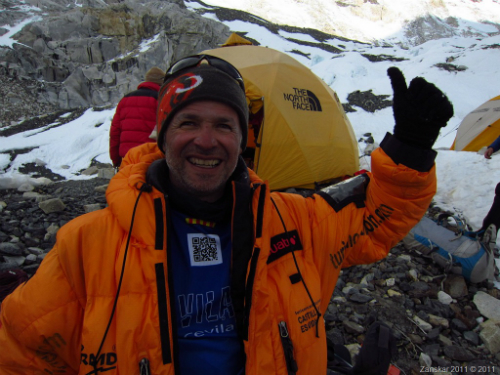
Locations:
(420, 110)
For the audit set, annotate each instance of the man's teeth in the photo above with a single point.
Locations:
(205, 163)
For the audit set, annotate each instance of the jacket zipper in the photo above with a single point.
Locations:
(253, 261)
(173, 351)
(144, 367)
(286, 341)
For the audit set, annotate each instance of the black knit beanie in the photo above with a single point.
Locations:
(200, 83)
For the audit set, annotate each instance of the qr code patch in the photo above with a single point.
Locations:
(204, 249)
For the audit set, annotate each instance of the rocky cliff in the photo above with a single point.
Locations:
(90, 54)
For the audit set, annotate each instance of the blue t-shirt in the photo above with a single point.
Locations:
(206, 325)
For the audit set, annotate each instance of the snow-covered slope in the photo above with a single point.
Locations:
(376, 20)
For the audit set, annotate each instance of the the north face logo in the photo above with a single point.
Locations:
(283, 244)
(303, 100)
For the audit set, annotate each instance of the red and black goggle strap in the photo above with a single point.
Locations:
(193, 61)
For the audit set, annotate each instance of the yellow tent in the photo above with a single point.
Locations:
(236, 40)
(479, 128)
(303, 136)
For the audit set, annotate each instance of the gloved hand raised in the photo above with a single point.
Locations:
(420, 110)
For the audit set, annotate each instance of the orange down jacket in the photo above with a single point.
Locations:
(55, 322)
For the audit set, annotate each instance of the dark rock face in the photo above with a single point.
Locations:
(402, 291)
(21, 92)
(90, 56)
(366, 100)
(23, 224)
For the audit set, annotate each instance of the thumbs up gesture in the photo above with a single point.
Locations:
(420, 110)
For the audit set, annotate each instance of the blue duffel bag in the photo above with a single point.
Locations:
(455, 248)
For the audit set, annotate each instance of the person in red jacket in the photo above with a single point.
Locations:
(135, 117)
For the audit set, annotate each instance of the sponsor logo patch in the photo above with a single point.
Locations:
(284, 243)
(105, 361)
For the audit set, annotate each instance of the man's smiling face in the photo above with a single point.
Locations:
(202, 145)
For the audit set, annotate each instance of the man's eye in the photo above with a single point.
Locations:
(225, 126)
(187, 124)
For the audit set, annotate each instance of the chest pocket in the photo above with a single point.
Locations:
(294, 286)
(297, 296)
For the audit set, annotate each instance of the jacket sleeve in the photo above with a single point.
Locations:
(495, 145)
(371, 213)
(41, 322)
(114, 138)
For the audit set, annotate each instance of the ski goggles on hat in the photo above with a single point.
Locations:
(193, 61)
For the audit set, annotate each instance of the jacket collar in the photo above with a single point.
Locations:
(149, 85)
(123, 190)
(220, 211)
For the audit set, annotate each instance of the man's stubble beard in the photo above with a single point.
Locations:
(199, 189)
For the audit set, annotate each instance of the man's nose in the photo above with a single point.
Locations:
(206, 137)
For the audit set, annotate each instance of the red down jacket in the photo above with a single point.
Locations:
(134, 120)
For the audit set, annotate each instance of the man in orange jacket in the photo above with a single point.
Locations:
(195, 266)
